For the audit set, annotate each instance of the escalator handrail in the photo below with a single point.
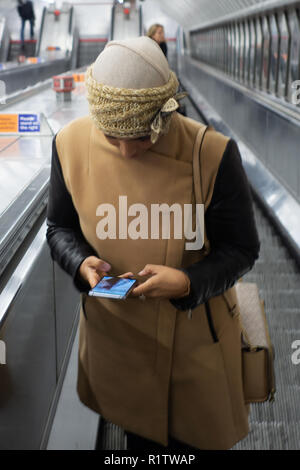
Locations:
(2, 20)
(112, 23)
(20, 274)
(18, 218)
(71, 33)
(141, 20)
(38, 48)
(71, 21)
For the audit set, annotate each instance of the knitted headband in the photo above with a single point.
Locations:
(132, 113)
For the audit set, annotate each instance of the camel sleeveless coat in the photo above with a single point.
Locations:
(144, 365)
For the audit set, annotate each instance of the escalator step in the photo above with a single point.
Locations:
(112, 437)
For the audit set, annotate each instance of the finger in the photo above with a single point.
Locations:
(142, 279)
(144, 289)
(93, 279)
(126, 275)
(148, 269)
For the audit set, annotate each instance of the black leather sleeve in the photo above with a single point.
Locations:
(67, 243)
(232, 233)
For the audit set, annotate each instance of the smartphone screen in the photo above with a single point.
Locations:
(113, 287)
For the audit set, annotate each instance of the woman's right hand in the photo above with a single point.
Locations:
(92, 270)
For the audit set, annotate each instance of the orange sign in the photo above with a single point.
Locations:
(78, 77)
(9, 123)
(32, 60)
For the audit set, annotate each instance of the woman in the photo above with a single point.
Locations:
(157, 33)
(144, 363)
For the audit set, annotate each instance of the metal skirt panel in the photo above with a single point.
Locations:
(23, 76)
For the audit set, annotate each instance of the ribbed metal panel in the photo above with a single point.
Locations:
(193, 14)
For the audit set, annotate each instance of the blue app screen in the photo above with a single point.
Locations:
(111, 286)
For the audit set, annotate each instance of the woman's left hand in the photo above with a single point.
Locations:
(165, 282)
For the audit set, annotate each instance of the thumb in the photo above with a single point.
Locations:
(149, 269)
(102, 266)
(126, 275)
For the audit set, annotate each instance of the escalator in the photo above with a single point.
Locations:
(4, 40)
(121, 27)
(89, 49)
(53, 53)
(126, 25)
(56, 33)
(15, 49)
(38, 303)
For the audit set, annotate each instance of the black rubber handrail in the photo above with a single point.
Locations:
(41, 32)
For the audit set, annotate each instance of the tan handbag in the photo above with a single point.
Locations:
(257, 350)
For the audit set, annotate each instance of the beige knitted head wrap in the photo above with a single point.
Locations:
(131, 90)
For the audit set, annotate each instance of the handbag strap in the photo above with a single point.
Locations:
(199, 199)
(214, 148)
(197, 174)
(197, 165)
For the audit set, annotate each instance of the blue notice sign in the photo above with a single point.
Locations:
(29, 123)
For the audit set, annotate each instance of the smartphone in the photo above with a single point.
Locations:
(113, 287)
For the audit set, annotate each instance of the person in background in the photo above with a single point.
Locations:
(157, 33)
(26, 12)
